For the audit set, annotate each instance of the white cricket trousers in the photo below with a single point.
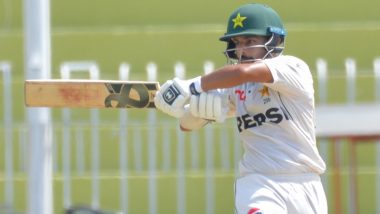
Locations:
(280, 194)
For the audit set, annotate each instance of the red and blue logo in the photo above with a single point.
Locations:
(254, 211)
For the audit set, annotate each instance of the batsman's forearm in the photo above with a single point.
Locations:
(234, 75)
(225, 77)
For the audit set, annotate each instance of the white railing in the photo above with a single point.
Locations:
(5, 68)
(67, 69)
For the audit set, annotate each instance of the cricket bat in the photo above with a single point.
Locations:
(58, 93)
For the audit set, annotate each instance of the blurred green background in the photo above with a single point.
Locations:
(165, 32)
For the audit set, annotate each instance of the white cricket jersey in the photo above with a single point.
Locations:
(276, 121)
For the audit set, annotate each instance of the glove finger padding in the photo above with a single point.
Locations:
(210, 106)
(202, 105)
(220, 107)
(194, 107)
(210, 98)
(218, 113)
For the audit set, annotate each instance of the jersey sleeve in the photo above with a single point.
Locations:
(291, 75)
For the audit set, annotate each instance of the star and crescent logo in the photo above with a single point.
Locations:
(238, 21)
(264, 91)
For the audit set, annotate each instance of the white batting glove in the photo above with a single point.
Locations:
(174, 94)
(210, 106)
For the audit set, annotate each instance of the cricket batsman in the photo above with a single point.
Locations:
(271, 97)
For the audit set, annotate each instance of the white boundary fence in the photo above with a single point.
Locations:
(338, 133)
(5, 68)
(93, 70)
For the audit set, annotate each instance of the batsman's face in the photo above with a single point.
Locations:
(250, 47)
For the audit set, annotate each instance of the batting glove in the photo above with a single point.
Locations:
(175, 94)
(210, 106)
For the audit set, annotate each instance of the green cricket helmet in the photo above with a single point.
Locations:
(255, 20)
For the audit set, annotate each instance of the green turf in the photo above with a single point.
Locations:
(115, 31)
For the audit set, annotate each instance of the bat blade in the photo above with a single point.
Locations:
(90, 93)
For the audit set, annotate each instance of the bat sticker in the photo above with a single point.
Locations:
(120, 95)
